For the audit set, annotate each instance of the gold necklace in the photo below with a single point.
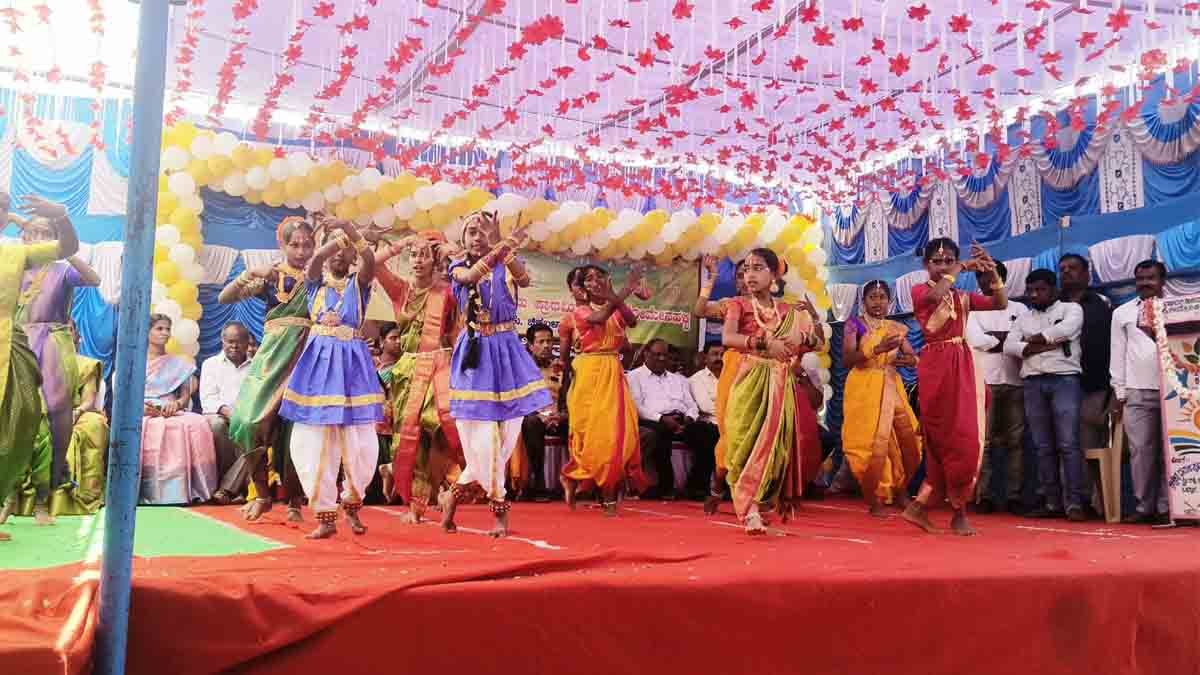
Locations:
(872, 322)
(760, 312)
(338, 285)
(286, 271)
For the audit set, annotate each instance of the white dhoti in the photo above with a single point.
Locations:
(487, 447)
(319, 450)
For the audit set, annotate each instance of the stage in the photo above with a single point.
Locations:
(661, 588)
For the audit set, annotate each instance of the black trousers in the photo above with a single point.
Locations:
(533, 433)
(700, 439)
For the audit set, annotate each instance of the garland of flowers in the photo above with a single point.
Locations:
(1168, 359)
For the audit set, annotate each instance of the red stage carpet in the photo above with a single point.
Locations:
(661, 588)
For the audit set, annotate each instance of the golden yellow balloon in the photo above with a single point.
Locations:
(273, 195)
(253, 197)
(166, 273)
(346, 210)
(194, 240)
(295, 188)
(243, 157)
(420, 221)
(184, 292)
(824, 360)
(174, 348)
(198, 170)
(439, 216)
(192, 311)
(368, 202)
(184, 133)
(183, 217)
(160, 253)
(460, 207)
(389, 191)
(476, 197)
(219, 166)
(167, 201)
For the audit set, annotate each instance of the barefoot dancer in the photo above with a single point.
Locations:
(333, 397)
(494, 382)
(760, 418)
(426, 452)
(951, 396)
(20, 401)
(716, 311)
(880, 437)
(255, 424)
(603, 439)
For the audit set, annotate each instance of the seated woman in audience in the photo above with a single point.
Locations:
(762, 438)
(881, 438)
(179, 462)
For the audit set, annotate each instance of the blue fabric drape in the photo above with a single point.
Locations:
(69, 186)
(116, 144)
(904, 242)
(1164, 182)
(1179, 246)
(216, 316)
(96, 322)
(231, 221)
(834, 414)
(990, 224)
(1081, 200)
(853, 253)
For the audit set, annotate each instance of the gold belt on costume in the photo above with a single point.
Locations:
(947, 341)
(604, 353)
(344, 333)
(279, 324)
(486, 329)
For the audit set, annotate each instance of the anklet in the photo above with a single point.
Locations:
(500, 508)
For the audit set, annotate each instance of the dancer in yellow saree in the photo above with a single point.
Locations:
(20, 400)
(880, 437)
(760, 416)
(603, 435)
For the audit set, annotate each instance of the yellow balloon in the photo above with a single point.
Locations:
(188, 230)
(166, 272)
(184, 292)
(368, 202)
(219, 166)
(389, 191)
(193, 311)
(194, 240)
(174, 348)
(243, 156)
(183, 217)
(199, 171)
(263, 156)
(317, 177)
(552, 242)
(476, 197)
(824, 360)
(253, 197)
(407, 185)
(420, 221)
(460, 207)
(507, 223)
(665, 258)
(295, 188)
(160, 253)
(273, 195)
(167, 201)
(346, 210)
(658, 217)
(184, 133)
(162, 183)
(439, 216)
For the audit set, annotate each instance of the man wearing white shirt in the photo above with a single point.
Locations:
(221, 379)
(986, 333)
(666, 412)
(704, 382)
(1046, 338)
(1135, 380)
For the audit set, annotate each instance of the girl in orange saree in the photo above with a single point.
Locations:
(950, 392)
(880, 437)
(602, 452)
(760, 416)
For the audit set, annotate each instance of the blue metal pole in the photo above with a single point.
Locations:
(129, 382)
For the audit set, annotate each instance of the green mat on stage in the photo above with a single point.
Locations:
(161, 531)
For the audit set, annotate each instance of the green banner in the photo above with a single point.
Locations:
(667, 314)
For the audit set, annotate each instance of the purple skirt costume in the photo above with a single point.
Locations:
(507, 383)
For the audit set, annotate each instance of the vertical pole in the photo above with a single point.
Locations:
(129, 382)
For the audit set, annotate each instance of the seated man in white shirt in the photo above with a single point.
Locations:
(221, 379)
(1046, 338)
(666, 412)
(986, 332)
(703, 384)
(1134, 374)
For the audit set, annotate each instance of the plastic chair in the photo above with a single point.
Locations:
(1110, 469)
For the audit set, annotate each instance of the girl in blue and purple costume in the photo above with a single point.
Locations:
(494, 382)
(333, 396)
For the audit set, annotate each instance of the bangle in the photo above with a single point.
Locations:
(512, 255)
(998, 285)
(951, 277)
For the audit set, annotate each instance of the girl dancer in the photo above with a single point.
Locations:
(881, 439)
(494, 382)
(255, 424)
(426, 452)
(601, 451)
(760, 416)
(951, 396)
(333, 397)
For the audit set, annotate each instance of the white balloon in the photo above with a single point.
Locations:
(333, 194)
(351, 186)
(167, 235)
(558, 220)
(539, 231)
(169, 308)
(225, 143)
(174, 158)
(709, 245)
(817, 257)
(313, 202)
(292, 203)
(384, 217)
(181, 254)
(192, 349)
(827, 330)
(656, 246)
(185, 331)
(425, 197)
(235, 184)
(181, 184)
(810, 361)
(637, 252)
(823, 273)
(300, 163)
(405, 208)
(362, 219)
(580, 247)
(279, 169)
(827, 391)
(601, 238)
(257, 178)
(203, 146)
(193, 272)
(813, 235)
(370, 178)
(158, 293)
(193, 202)
(691, 254)
(824, 376)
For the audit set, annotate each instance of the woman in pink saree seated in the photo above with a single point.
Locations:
(179, 463)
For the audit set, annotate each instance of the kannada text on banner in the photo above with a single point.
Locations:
(1181, 415)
